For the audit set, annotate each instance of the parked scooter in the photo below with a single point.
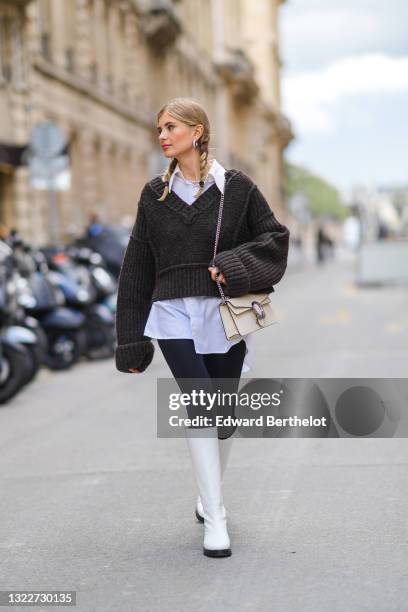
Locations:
(83, 287)
(105, 285)
(104, 282)
(42, 299)
(19, 359)
(110, 241)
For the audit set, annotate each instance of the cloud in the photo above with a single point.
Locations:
(344, 87)
(339, 26)
(310, 99)
(316, 33)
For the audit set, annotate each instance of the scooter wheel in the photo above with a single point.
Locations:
(64, 348)
(15, 367)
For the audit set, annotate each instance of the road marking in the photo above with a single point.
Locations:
(342, 315)
(394, 328)
(350, 289)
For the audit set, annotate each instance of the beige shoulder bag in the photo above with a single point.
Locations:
(244, 314)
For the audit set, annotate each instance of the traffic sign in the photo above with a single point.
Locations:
(47, 140)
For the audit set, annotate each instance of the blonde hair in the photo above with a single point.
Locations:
(191, 113)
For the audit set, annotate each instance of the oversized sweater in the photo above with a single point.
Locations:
(172, 244)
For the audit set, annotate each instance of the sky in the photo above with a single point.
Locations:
(345, 89)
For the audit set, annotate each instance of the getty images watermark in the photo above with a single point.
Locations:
(290, 407)
(211, 401)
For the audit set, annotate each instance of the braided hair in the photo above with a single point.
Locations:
(192, 113)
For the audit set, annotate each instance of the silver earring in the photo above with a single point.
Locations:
(194, 143)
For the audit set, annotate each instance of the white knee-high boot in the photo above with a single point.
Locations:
(225, 449)
(205, 457)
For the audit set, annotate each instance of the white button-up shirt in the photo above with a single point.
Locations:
(195, 318)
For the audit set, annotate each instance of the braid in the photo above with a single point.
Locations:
(166, 177)
(203, 164)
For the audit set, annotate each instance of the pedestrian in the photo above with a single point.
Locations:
(322, 244)
(95, 226)
(168, 291)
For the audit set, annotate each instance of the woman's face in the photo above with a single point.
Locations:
(175, 137)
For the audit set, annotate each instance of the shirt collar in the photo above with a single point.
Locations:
(217, 172)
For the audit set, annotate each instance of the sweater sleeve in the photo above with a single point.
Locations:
(259, 264)
(135, 288)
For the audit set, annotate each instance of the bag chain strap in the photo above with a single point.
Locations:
(217, 235)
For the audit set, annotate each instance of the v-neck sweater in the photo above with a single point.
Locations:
(171, 246)
(196, 318)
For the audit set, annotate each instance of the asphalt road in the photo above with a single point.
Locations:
(92, 501)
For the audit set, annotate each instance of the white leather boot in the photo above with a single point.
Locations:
(225, 449)
(205, 458)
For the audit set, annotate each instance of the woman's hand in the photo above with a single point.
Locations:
(134, 370)
(214, 271)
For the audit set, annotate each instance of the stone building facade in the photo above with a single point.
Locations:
(101, 69)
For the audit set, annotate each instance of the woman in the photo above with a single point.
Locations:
(168, 291)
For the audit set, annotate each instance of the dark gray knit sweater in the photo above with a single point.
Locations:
(172, 244)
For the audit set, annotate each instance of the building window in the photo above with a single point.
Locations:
(5, 50)
(70, 35)
(17, 48)
(123, 56)
(45, 28)
(12, 66)
(93, 72)
(92, 41)
(70, 59)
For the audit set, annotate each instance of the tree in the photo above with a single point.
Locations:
(324, 198)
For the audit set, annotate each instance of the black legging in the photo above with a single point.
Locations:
(185, 363)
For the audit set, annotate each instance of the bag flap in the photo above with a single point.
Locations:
(244, 302)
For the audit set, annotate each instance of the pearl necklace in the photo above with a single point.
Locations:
(201, 182)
